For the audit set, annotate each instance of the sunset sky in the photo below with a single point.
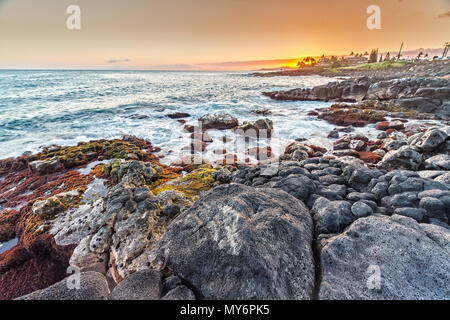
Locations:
(208, 34)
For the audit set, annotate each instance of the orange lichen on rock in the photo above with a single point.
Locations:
(370, 157)
(345, 115)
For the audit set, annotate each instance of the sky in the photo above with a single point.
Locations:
(209, 34)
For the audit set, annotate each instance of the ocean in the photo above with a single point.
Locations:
(41, 108)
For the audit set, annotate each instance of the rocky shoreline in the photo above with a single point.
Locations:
(408, 70)
(367, 218)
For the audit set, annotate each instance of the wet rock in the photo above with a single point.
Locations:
(331, 179)
(261, 111)
(403, 158)
(435, 208)
(394, 144)
(299, 155)
(299, 186)
(429, 141)
(178, 115)
(438, 162)
(261, 128)
(331, 216)
(218, 121)
(236, 231)
(356, 196)
(415, 213)
(350, 262)
(444, 178)
(360, 209)
(432, 174)
(92, 286)
(142, 285)
(270, 171)
(396, 125)
(306, 150)
(360, 177)
(382, 135)
(334, 134)
(357, 145)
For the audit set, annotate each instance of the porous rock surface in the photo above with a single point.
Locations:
(239, 242)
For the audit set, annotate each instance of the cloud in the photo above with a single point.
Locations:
(444, 15)
(117, 61)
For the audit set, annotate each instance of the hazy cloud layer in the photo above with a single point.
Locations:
(117, 61)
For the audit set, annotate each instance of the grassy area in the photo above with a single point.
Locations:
(378, 65)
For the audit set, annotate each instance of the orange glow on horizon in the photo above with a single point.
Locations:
(210, 35)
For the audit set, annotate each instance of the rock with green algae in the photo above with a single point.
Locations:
(58, 158)
(132, 172)
(44, 210)
(191, 185)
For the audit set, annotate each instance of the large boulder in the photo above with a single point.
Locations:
(382, 257)
(239, 242)
(84, 286)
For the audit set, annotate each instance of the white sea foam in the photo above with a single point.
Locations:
(39, 108)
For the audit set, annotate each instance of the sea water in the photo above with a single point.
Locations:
(41, 107)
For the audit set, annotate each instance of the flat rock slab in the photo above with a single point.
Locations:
(382, 257)
(239, 242)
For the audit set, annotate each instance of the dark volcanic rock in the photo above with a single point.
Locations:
(403, 158)
(299, 186)
(142, 285)
(178, 115)
(229, 244)
(179, 293)
(352, 261)
(332, 216)
(218, 121)
(424, 95)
